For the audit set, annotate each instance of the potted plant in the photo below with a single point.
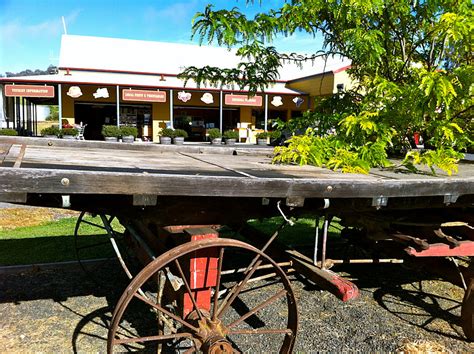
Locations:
(9, 132)
(215, 136)
(69, 133)
(51, 132)
(179, 135)
(262, 138)
(165, 136)
(274, 136)
(110, 132)
(128, 133)
(231, 137)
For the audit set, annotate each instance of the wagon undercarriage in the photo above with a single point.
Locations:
(184, 212)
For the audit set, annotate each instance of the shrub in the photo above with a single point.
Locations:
(231, 134)
(214, 133)
(128, 131)
(69, 131)
(180, 133)
(167, 132)
(9, 132)
(262, 135)
(110, 131)
(52, 130)
(276, 134)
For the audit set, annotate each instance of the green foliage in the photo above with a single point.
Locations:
(412, 62)
(231, 134)
(9, 132)
(69, 131)
(262, 135)
(180, 133)
(110, 131)
(53, 114)
(167, 132)
(128, 131)
(52, 130)
(214, 133)
(446, 159)
(276, 134)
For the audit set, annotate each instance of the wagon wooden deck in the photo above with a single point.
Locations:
(108, 168)
(172, 200)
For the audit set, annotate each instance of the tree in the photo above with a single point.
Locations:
(412, 59)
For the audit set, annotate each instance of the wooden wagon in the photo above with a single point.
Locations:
(201, 292)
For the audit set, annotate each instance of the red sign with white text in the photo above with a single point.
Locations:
(243, 100)
(144, 95)
(29, 91)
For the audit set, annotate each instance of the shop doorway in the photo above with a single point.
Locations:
(95, 116)
(197, 120)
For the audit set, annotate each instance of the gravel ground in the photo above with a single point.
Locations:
(59, 310)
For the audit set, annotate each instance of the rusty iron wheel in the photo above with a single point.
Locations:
(467, 312)
(251, 301)
(92, 242)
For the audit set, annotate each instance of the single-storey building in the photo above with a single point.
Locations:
(133, 82)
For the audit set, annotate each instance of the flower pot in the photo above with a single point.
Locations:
(216, 141)
(165, 140)
(69, 137)
(230, 141)
(179, 140)
(111, 138)
(128, 139)
(50, 136)
(261, 141)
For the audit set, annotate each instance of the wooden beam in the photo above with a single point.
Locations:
(96, 182)
(465, 249)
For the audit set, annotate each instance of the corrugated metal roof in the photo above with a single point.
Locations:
(129, 55)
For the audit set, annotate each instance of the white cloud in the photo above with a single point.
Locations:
(178, 13)
(16, 29)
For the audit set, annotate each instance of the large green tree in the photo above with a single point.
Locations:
(412, 60)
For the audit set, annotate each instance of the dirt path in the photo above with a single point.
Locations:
(61, 311)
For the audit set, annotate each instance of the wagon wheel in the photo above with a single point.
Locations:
(467, 312)
(241, 315)
(94, 239)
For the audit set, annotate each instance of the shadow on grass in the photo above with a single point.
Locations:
(50, 249)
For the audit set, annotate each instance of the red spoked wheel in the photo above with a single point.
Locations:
(240, 301)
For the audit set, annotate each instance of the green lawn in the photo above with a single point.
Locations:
(50, 242)
(54, 241)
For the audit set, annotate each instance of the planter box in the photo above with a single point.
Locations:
(165, 140)
(69, 137)
(179, 140)
(262, 141)
(230, 141)
(216, 141)
(128, 139)
(111, 138)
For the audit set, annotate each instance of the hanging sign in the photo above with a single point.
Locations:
(144, 95)
(243, 100)
(29, 91)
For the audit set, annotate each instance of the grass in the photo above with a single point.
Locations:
(53, 241)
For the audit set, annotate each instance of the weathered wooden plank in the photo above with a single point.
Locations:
(4, 150)
(87, 182)
(88, 144)
(20, 156)
(13, 197)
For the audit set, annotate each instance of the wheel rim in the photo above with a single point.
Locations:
(467, 312)
(243, 314)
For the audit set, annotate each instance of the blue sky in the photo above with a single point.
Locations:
(30, 30)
